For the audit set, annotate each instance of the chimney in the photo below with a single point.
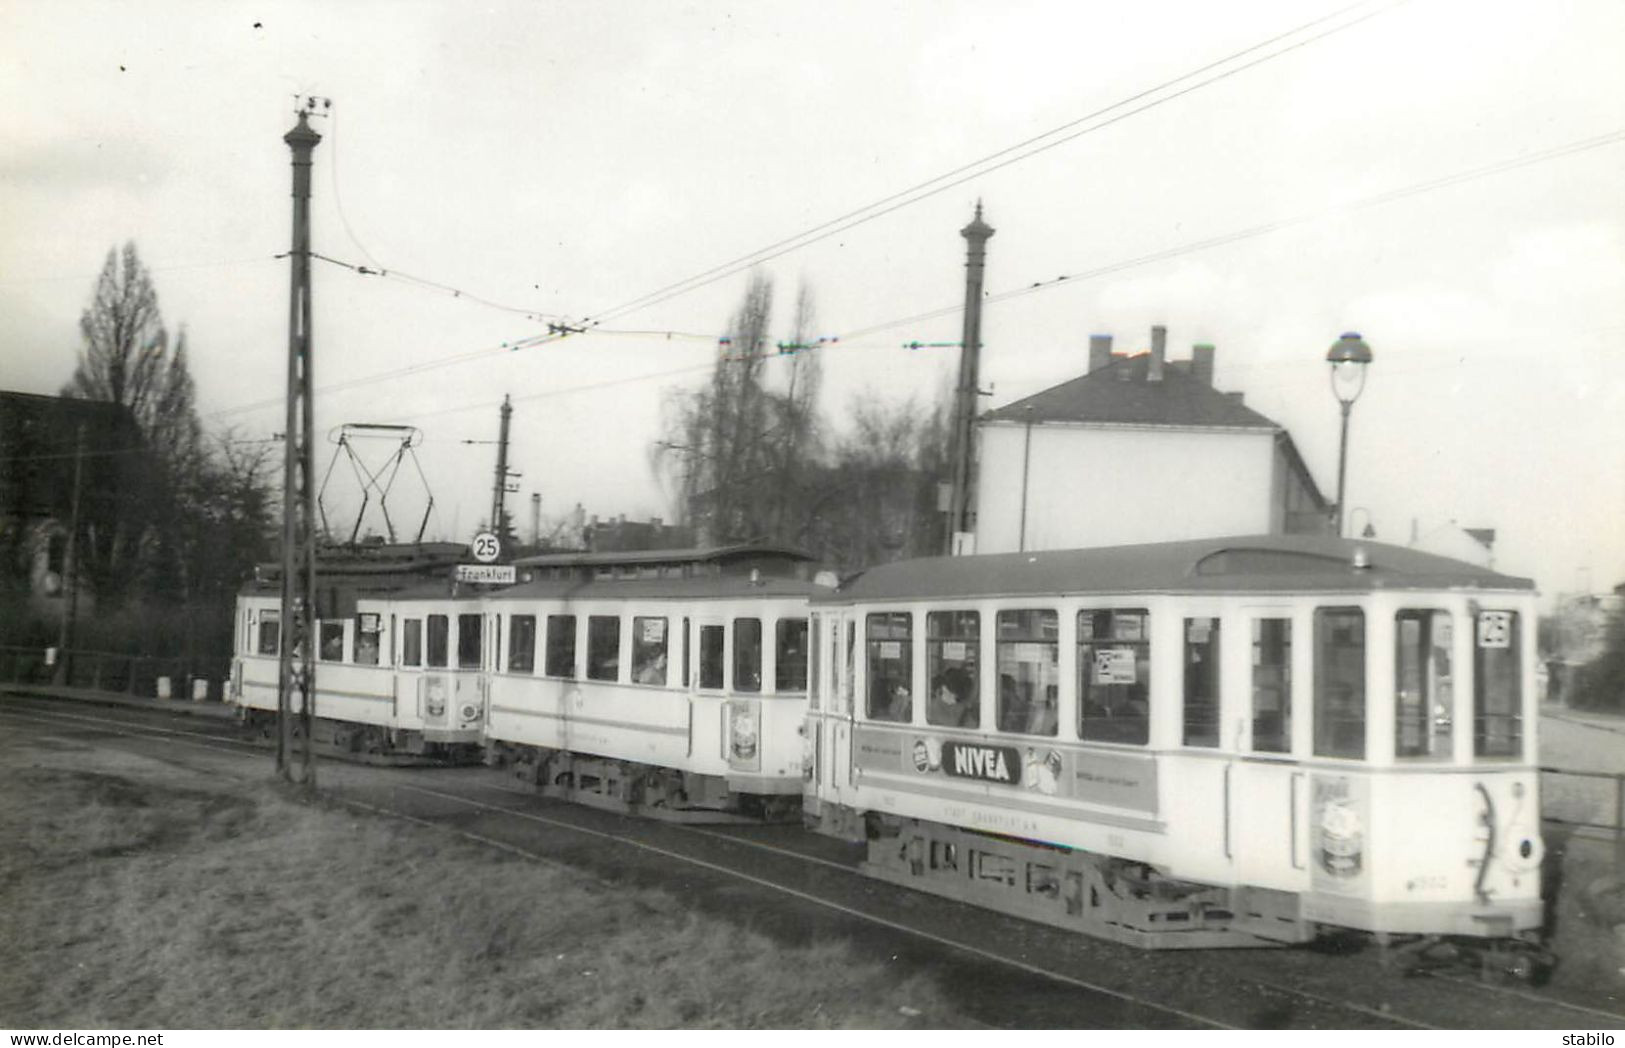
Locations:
(1202, 363)
(1100, 352)
(1159, 353)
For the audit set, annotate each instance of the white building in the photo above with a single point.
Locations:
(1139, 449)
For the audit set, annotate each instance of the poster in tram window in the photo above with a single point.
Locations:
(1339, 810)
(1114, 666)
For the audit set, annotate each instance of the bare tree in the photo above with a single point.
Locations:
(126, 359)
(738, 448)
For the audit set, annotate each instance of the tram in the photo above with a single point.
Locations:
(1225, 742)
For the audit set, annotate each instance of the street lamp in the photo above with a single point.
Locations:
(1348, 357)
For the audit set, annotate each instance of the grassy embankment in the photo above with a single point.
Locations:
(131, 902)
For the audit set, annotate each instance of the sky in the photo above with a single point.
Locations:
(1442, 176)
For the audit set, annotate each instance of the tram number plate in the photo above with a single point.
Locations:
(989, 763)
(1495, 629)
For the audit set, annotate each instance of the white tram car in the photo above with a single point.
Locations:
(1214, 743)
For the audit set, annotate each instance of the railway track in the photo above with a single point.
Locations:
(1060, 979)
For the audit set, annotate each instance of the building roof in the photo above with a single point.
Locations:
(686, 555)
(1120, 394)
(1255, 564)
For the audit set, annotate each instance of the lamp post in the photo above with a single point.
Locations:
(1348, 358)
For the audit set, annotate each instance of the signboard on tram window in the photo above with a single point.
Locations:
(953, 650)
(501, 574)
(367, 622)
(1495, 629)
(654, 631)
(1114, 666)
(891, 649)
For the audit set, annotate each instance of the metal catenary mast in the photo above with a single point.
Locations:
(968, 390)
(296, 678)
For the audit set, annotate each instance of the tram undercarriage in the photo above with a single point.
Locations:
(1128, 902)
(366, 743)
(638, 789)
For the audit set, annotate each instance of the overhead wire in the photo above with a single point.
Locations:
(983, 166)
(846, 337)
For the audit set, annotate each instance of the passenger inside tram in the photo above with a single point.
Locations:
(953, 700)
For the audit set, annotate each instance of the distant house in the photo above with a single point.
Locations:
(38, 436)
(1138, 449)
(1474, 545)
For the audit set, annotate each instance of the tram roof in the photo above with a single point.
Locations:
(705, 587)
(1245, 564)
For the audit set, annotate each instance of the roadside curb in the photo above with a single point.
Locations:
(89, 697)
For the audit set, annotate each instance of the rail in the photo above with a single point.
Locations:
(114, 672)
(1584, 802)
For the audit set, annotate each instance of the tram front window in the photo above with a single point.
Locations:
(1424, 695)
(1202, 682)
(522, 643)
(711, 646)
(1340, 683)
(648, 650)
(790, 647)
(747, 654)
(270, 633)
(412, 642)
(330, 641)
(1272, 685)
(1497, 686)
(468, 641)
(891, 666)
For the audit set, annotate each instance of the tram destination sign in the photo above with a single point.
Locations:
(502, 574)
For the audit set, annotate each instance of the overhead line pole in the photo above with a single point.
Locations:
(965, 396)
(296, 674)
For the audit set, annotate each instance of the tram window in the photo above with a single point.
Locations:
(891, 666)
(747, 654)
(686, 679)
(813, 653)
(849, 680)
(367, 629)
(468, 641)
(330, 641)
(1201, 681)
(439, 633)
(1114, 675)
(561, 646)
(270, 633)
(952, 665)
(711, 644)
(1272, 685)
(522, 643)
(603, 647)
(412, 642)
(1497, 685)
(1340, 683)
(1424, 694)
(1026, 655)
(648, 650)
(790, 645)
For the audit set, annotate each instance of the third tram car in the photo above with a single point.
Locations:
(1213, 743)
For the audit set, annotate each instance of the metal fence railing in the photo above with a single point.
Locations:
(1586, 800)
(113, 672)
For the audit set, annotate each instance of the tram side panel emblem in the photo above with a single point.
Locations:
(1340, 809)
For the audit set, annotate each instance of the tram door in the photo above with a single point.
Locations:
(1269, 791)
(838, 648)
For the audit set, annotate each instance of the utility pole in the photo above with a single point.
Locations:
(500, 488)
(536, 519)
(968, 390)
(297, 668)
(70, 563)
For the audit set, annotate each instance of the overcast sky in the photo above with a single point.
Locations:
(1407, 174)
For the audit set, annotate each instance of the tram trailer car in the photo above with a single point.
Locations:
(660, 695)
(399, 676)
(1218, 743)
